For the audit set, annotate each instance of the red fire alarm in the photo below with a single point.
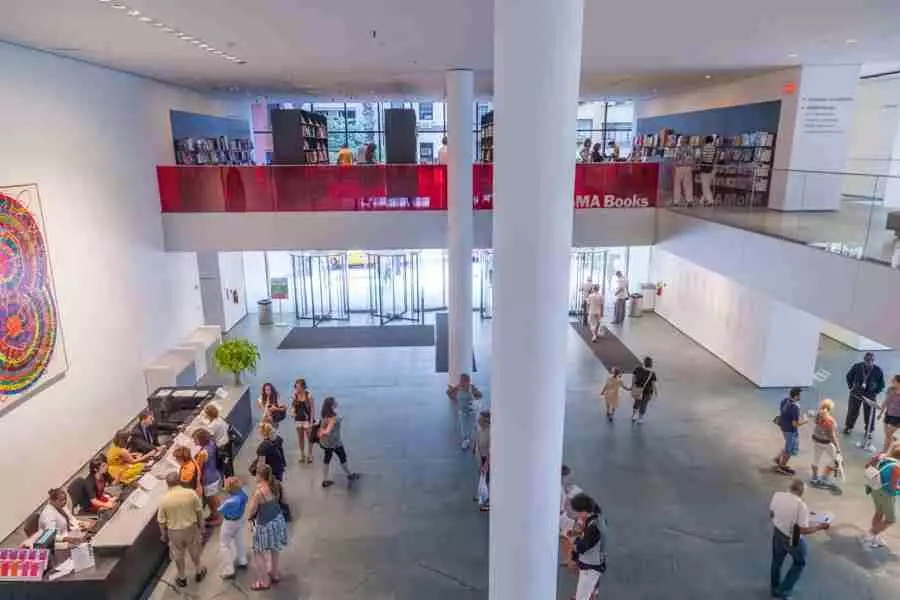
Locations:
(789, 88)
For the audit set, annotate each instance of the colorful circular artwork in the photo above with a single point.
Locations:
(28, 324)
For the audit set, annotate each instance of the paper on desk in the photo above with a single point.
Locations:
(148, 481)
(163, 393)
(138, 499)
(62, 569)
(183, 393)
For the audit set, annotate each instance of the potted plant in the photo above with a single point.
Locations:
(236, 356)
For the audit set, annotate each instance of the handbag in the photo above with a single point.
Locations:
(483, 490)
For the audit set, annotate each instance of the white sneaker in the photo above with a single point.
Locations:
(634, 417)
(640, 421)
(878, 542)
(465, 445)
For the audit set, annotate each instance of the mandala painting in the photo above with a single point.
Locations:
(31, 353)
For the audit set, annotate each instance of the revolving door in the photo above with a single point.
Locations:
(485, 264)
(395, 287)
(585, 264)
(321, 291)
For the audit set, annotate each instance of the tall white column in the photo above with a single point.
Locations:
(537, 63)
(460, 96)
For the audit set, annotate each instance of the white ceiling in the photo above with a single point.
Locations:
(391, 48)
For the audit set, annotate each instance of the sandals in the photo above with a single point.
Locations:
(259, 586)
(274, 578)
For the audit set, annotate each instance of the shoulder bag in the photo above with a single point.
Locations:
(637, 391)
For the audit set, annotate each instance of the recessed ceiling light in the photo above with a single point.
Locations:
(105, 1)
(168, 29)
(851, 42)
(186, 37)
(118, 6)
(145, 19)
(196, 42)
(134, 13)
(707, 77)
(793, 55)
(204, 46)
(218, 52)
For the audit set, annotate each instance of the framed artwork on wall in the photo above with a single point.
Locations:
(32, 350)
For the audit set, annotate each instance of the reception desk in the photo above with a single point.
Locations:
(127, 548)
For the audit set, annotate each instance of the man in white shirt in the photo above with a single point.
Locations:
(442, 152)
(621, 298)
(786, 510)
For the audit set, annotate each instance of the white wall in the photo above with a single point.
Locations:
(231, 273)
(768, 342)
(378, 230)
(875, 140)
(853, 294)
(91, 138)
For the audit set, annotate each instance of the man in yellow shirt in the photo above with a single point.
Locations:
(181, 524)
(345, 155)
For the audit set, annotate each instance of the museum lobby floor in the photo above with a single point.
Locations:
(686, 494)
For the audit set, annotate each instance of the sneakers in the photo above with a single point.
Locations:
(464, 445)
(201, 575)
(634, 417)
(878, 541)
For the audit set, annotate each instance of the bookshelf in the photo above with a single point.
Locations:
(299, 137)
(486, 137)
(220, 150)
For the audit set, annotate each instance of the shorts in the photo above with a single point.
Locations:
(594, 320)
(791, 442)
(824, 455)
(302, 424)
(212, 489)
(341, 454)
(892, 421)
(885, 504)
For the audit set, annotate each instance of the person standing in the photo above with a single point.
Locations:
(890, 409)
(331, 442)
(595, 311)
(232, 545)
(614, 151)
(466, 396)
(210, 477)
(56, 515)
(884, 487)
(567, 516)
(789, 421)
(218, 427)
(643, 388)
(589, 546)
(584, 155)
(826, 447)
(270, 534)
(621, 298)
(597, 153)
(610, 392)
(269, 405)
(442, 152)
(345, 156)
(270, 450)
(865, 380)
(302, 405)
(180, 517)
(482, 448)
(586, 288)
(790, 522)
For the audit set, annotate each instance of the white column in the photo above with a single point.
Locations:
(460, 142)
(537, 64)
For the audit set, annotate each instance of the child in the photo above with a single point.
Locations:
(589, 545)
(482, 450)
(610, 392)
(466, 397)
(232, 544)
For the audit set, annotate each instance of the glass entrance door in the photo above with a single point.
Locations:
(321, 291)
(485, 263)
(584, 264)
(395, 286)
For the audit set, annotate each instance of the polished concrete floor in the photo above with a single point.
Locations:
(857, 230)
(686, 494)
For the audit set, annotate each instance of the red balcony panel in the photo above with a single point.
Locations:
(293, 188)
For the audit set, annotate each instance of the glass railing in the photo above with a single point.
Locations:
(377, 187)
(853, 214)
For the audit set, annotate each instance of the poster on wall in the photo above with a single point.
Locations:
(32, 351)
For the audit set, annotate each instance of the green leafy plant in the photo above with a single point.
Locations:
(236, 356)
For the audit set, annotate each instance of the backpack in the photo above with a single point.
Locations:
(873, 473)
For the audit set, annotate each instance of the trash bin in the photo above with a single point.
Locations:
(637, 305)
(265, 311)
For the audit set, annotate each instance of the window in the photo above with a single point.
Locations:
(426, 111)
(426, 152)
